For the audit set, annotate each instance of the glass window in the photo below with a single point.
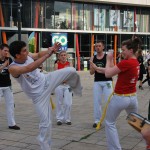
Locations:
(88, 17)
(143, 20)
(85, 45)
(126, 19)
(49, 17)
(62, 15)
(38, 14)
(99, 18)
(26, 13)
(5, 14)
(77, 16)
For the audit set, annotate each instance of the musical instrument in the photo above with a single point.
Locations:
(137, 121)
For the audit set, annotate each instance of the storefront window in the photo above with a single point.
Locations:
(26, 13)
(87, 17)
(99, 18)
(62, 15)
(77, 16)
(38, 14)
(143, 20)
(127, 19)
(49, 18)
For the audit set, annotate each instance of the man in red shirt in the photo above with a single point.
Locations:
(124, 97)
(63, 93)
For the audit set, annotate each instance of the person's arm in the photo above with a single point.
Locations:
(70, 65)
(110, 69)
(5, 64)
(146, 134)
(92, 70)
(56, 66)
(98, 69)
(38, 55)
(15, 71)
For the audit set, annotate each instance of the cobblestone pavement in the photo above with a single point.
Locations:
(66, 137)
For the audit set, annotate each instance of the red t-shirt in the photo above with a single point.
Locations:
(127, 78)
(61, 66)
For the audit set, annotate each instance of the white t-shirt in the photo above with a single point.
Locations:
(32, 83)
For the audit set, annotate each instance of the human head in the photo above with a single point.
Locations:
(4, 50)
(62, 56)
(16, 47)
(99, 46)
(139, 52)
(130, 47)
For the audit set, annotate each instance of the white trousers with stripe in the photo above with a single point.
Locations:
(116, 105)
(64, 102)
(101, 88)
(42, 105)
(9, 103)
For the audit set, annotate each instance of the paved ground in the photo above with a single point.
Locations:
(68, 137)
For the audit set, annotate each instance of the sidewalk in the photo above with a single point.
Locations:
(66, 137)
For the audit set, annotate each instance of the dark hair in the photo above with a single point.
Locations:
(3, 45)
(15, 47)
(134, 44)
(100, 41)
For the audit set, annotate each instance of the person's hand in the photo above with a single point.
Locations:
(110, 56)
(93, 65)
(6, 63)
(56, 47)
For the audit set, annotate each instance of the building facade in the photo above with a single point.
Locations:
(85, 22)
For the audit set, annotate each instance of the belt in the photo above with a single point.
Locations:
(126, 95)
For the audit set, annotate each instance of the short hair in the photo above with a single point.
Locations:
(15, 47)
(3, 45)
(62, 51)
(100, 41)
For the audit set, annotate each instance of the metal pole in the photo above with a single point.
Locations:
(19, 20)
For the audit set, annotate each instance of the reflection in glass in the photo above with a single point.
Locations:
(87, 17)
(99, 18)
(62, 15)
(77, 16)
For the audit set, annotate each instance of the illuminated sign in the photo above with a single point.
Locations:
(61, 38)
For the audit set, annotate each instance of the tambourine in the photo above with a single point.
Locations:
(137, 121)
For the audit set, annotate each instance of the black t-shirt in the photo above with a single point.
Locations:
(100, 63)
(5, 75)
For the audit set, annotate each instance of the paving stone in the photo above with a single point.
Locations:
(68, 137)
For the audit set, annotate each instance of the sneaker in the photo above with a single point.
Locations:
(15, 127)
(59, 123)
(94, 125)
(68, 123)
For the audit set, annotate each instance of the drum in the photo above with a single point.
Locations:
(137, 121)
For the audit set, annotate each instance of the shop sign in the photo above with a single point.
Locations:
(62, 38)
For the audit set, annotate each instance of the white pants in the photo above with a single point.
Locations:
(42, 105)
(100, 88)
(116, 105)
(9, 103)
(64, 102)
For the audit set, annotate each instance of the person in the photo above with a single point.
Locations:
(5, 86)
(124, 97)
(146, 136)
(39, 86)
(63, 93)
(148, 55)
(148, 73)
(102, 85)
(142, 68)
